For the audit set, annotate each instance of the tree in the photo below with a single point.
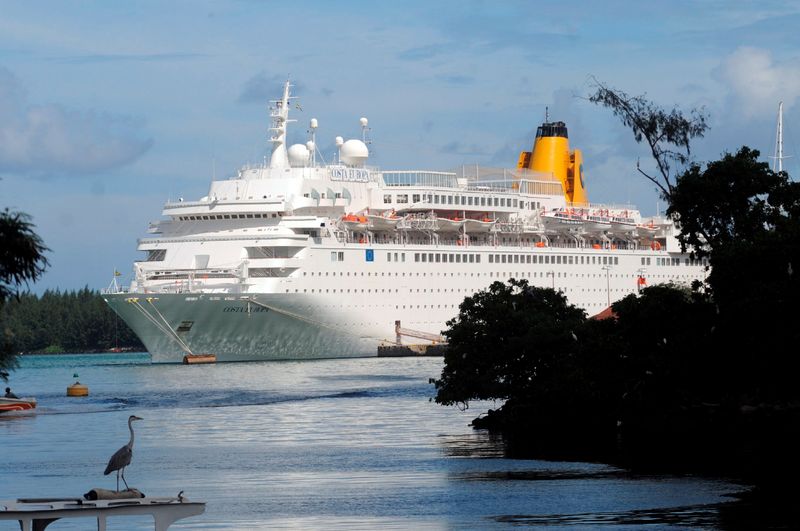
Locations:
(22, 260)
(745, 219)
(504, 341)
(734, 200)
(667, 134)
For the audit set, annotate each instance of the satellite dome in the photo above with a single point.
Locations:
(354, 152)
(339, 141)
(298, 155)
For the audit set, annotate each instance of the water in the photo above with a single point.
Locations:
(328, 444)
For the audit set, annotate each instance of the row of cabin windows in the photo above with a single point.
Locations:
(669, 261)
(462, 200)
(491, 274)
(458, 258)
(226, 216)
(464, 258)
(336, 195)
(555, 259)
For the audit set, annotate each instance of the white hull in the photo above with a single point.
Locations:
(232, 330)
(349, 309)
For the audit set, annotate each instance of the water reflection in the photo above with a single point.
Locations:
(702, 516)
(328, 444)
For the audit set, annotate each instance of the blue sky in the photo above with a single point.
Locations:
(107, 109)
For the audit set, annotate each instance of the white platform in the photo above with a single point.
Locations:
(37, 514)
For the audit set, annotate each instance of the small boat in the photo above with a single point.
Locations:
(386, 221)
(16, 404)
(594, 223)
(355, 222)
(562, 220)
(449, 225)
(622, 225)
(646, 231)
(479, 225)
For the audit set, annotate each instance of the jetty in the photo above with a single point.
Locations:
(35, 514)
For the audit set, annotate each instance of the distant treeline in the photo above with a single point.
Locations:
(69, 321)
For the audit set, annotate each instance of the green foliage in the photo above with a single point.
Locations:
(734, 200)
(22, 257)
(667, 134)
(527, 345)
(22, 261)
(746, 219)
(70, 321)
(664, 337)
(504, 341)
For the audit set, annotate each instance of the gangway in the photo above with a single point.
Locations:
(400, 332)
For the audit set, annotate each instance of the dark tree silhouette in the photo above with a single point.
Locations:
(503, 342)
(666, 133)
(22, 260)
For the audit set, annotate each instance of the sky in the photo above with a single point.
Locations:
(109, 109)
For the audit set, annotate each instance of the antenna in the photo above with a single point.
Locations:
(364, 128)
(312, 144)
(546, 115)
(778, 164)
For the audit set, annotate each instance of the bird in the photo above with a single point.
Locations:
(122, 457)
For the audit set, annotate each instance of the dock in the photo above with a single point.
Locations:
(35, 514)
(404, 351)
(436, 347)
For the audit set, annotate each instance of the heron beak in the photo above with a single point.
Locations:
(137, 418)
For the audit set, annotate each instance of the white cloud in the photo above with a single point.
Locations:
(45, 140)
(757, 82)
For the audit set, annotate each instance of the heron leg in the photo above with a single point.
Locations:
(117, 480)
(123, 479)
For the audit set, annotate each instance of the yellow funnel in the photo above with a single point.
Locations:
(550, 154)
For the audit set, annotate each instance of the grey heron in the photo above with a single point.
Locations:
(122, 457)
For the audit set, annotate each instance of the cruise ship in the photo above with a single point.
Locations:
(299, 258)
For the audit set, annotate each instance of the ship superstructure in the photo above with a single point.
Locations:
(297, 259)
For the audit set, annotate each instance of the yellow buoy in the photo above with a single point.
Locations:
(77, 389)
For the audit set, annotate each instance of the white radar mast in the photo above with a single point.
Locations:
(778, 164)
(279, 112)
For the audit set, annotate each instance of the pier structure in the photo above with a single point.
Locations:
(35, 514)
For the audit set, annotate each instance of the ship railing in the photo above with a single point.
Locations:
(503, 239)
(611, 207)
(476, 173)
(115, 290)
(432, 179)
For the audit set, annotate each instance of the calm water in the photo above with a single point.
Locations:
(331, 444)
